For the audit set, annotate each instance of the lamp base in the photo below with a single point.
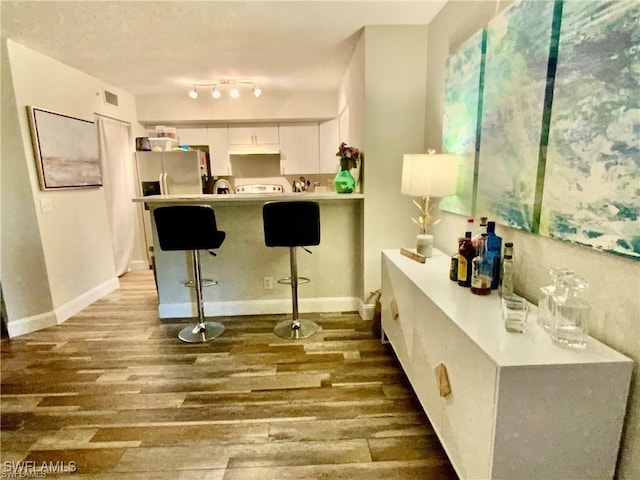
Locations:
(424, 245)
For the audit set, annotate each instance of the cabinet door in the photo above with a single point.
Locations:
(219, 151)
(196, 136)
(240, 135)
(253, 135)
(329, 133)
(397, 301)
(469, 410)
(266, 135)
(429, 340)
(299, 149)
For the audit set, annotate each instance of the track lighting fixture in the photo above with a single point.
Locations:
(234, 91)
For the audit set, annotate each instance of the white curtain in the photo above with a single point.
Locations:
(118, 181)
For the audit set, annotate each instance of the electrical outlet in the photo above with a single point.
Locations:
(267, 283)
(45, 205)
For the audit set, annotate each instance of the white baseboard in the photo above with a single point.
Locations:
(139, 265)
(260, 307)
(25, 325)
(22, 326)
(69, 309)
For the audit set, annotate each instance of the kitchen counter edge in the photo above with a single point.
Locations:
(248, 197)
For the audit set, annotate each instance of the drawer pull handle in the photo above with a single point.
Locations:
(442, 379)
(394, 309)
(418, 257)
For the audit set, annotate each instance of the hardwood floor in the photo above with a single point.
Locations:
(113, 394)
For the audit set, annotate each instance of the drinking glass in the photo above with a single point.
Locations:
(515, 311)
(546, 294)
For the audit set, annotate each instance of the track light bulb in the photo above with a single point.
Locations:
(257, 91)
(193, 93)
(215, 93)
(234, 92)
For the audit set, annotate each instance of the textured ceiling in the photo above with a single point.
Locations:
(147, 47)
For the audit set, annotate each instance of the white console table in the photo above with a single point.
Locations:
(520, 407)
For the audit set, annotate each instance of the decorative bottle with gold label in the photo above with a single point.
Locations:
(466, 253)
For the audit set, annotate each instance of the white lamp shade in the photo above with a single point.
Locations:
(429, 174)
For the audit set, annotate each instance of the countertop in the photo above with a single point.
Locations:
(249, 197)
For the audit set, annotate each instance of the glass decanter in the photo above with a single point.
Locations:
(571, 314)
(546, 293)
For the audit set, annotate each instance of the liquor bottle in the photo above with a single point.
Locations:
(494, 249)
(469, 227)
(506, 278)
(483, 229)
(481, 269)
(453, 266)
(467, 252)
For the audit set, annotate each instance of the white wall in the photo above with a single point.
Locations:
(394, 124)
(614, 281)
(26, 291)
(351, 107)
(53, 264)
(351, 97)
(299, 106)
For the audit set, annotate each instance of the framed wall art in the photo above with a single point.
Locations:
(592, 179)
(66, 150)
(462, 108)
(515, 87)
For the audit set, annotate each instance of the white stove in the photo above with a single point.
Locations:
(259, 188)
(265, 185)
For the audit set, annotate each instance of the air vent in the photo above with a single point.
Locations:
(110, 98)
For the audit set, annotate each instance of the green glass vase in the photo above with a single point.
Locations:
(344, 181)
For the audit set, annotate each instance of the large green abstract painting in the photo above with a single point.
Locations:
(462, 101)
(592, 174)
(515, 82)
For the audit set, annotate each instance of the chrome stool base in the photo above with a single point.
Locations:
(202, 332)
(293, 330)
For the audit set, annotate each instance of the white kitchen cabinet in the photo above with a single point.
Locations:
(253, 135)
(196, 136)
(400, 303)
(429, 331)
(467, 421)
(299, 149)
(218, 150)
(520, 407)
(329, 133)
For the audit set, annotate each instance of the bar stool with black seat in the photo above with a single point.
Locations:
(292, 224)
(192, 228)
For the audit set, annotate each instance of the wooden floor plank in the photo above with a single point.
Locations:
(114, 391)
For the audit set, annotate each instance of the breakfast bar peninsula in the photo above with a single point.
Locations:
(247, 271)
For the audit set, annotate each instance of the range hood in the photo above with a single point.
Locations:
(269, 149)
(251, 165)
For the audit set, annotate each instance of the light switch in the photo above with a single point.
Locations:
(45, 205)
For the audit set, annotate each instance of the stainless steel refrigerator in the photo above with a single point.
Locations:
(168, 173)
(171, 173)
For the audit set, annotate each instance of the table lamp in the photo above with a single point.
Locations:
(428, 175)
